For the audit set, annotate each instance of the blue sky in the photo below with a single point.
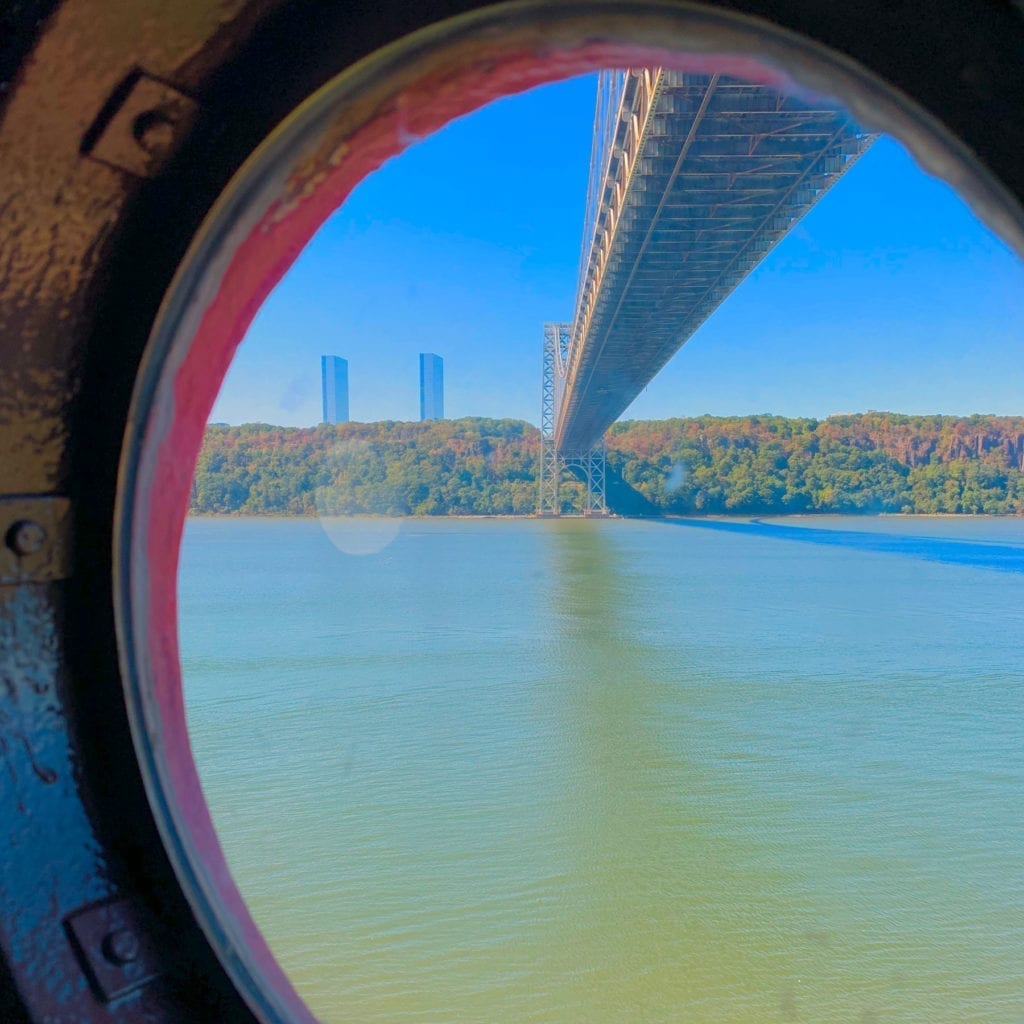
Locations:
(888, 295)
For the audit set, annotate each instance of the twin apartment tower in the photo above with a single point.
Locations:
(334, 378)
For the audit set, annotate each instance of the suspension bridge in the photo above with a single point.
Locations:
(693, 180)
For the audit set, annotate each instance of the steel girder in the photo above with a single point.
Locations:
(704, 175)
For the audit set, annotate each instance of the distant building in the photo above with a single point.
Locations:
(334, 377)
(431, 386)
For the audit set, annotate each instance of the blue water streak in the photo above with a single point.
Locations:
(976, 555)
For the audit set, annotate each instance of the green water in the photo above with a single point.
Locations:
(620, 771)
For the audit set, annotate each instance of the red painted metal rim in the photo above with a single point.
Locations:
(300, 176)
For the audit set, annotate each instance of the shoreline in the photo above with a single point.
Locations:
(739, 516)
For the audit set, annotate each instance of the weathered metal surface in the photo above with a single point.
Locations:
(116, 949)
(36, 533)
(703, 175)
(140, 126)
(76, 829)
(52, 862)
(59, 211)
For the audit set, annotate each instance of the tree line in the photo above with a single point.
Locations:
(753, 465)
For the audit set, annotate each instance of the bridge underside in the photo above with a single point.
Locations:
(703, 175)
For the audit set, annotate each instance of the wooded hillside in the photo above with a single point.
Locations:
(872, 462)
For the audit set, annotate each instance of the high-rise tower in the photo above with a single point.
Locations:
(431, 386)
(334, 376)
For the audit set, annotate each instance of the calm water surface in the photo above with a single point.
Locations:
(620, 771)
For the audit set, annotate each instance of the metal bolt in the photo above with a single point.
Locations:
(25, 537)
(121, 947)
(153, 130)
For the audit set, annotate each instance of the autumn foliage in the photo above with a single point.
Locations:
(871, 462)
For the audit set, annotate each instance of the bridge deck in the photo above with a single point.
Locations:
(703, 175)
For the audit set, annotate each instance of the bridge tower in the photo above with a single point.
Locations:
(588, 465)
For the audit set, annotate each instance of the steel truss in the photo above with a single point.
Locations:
(588, 465)
(693, 179)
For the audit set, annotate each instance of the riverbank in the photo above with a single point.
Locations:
(754, 465)
(613, 515)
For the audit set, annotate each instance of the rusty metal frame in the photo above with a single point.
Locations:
(89, 248)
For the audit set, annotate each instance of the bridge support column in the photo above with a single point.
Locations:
(548, 503)
(588, 465)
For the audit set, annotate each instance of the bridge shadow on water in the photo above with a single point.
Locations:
(970, 554)
(623, 498)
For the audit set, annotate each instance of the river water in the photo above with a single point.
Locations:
(616, 771)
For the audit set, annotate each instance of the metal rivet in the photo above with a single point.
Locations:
(140, 125)
(121, 947)
(153, 130)
(25, 537)
(114, 946)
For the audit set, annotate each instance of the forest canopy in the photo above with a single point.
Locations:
(707, 465)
